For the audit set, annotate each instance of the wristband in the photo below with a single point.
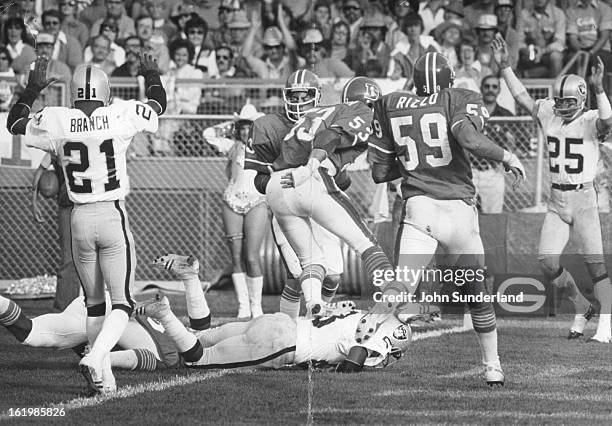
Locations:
(603, 105)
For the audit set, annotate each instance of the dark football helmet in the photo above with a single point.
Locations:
(361, 89)
(432, 73)
(302, 92)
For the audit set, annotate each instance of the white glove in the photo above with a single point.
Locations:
(513, 164)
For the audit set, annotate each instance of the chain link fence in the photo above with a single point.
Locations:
(177, 181)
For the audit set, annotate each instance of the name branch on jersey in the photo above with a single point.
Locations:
(418, 131)
(92, 150)
(573, 148)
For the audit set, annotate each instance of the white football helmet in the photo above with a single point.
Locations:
(398, 335)
(89, 83)
(301, 81)
(569, 93)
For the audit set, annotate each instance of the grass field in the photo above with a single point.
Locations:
(549, 380)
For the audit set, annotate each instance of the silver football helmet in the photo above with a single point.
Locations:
(398, 335)
(89, 83)
(569, 93)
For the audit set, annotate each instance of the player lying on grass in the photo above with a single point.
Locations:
(143, 345)
(276, 340)
(573, 134)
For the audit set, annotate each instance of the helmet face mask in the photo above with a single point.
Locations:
(301, 93)
(89, 83)
(569, 94)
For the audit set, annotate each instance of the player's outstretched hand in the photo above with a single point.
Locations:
(37, 80)
(514, 166)
(597, 73)
(148, 64)
(287, 181)
(500, 50)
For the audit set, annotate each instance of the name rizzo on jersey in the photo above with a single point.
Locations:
(92, 150)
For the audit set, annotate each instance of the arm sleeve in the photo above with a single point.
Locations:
(472, 139)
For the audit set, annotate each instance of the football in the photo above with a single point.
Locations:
(48, 185)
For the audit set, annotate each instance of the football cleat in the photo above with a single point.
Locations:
(494, 376)
(372, 320)
(600, 339)
(155, 307)
(411, 312)
(181, 266)
(329, 309)
(92, 375)
(580, 321)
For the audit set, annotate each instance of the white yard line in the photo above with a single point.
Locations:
(133, 390)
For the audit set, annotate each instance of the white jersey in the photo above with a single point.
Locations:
(330, 340)
(573, 148)
(92, 149)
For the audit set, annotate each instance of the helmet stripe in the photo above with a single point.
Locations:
(561, 86)
(88, 82)
(433, 71)
(345, 90)
(427, 73)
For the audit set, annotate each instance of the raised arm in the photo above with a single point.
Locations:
(604, 123)
(500, 53)
(153, 85)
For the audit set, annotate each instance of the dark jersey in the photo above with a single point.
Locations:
(418, 131)
(278, 144)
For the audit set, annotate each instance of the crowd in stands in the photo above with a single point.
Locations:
(269, 39)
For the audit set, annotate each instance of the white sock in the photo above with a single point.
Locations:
(488, 347)
(603, 293)
(94, 325)
(197, 307)
(183, 339)
(242, 293)
(126, 360)
(112, 329)
(311, 289)
(255, 288)
(4, 304)
(108, 379)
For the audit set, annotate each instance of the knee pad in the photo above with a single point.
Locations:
(98, 310)
(596, 266)
(549, 265)
(314, 271)
(234, 237)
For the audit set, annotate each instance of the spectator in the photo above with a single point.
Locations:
(319, 15)
(370, 46)
(453, 11)
(448, 36)
(475, 10)
(70, 25)
(22, 54)
(66, 48)
(488, 175)
(485, 32)
(100, 49)
(221, 36)
(279, 60)
(203, 58)
(353, 15)
(45, 43)
(504, 11)
(181, 20)
(162, 27)
(399, 9)
(313, 49)
(239, 27)
(115, 10)
(26, 10)
(109, 29)
(432, 14)
(543, 28)
(588, 29)
(92, 13)
(340, 39)
(152, 45)
(417, 43)
(186, 98)
(269, 14)
(470, 72)
(5, 63)
(131, 66)
(225, 58)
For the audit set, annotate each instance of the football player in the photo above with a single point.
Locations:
(91, 140)
(268, 134)
(573, 134)
(276, 340)
(142, 346)
(423, 139)
(297, 176)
